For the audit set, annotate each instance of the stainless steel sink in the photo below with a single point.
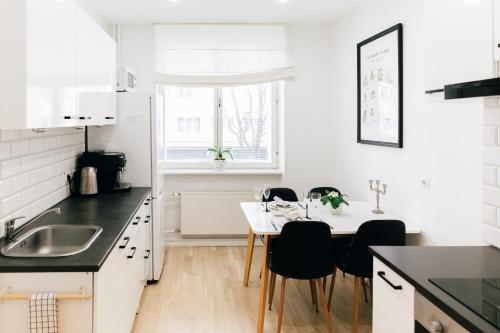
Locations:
(52, 241)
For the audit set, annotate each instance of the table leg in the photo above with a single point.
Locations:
(248, 262)
(263, 285)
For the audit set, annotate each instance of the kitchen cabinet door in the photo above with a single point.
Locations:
(96, 72)
(51, 63)
(496, 29)
(457, 42)
(393, 301)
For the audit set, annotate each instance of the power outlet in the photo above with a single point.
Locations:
(426, 183)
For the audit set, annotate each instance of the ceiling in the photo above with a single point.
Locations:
(220, 11)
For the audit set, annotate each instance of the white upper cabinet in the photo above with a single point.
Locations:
(496, 31)
(458, 41)
(51, 65)
(58, 66)
(96, 73)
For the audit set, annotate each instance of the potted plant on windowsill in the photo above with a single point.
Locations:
(335, 201)
(219, 159)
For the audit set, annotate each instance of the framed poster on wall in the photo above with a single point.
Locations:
(380, 89)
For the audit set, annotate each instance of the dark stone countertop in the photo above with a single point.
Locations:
(417, 264)
(111, 211)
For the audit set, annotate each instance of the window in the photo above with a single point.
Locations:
(244, 118)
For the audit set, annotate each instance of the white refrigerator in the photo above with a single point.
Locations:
(135, 134)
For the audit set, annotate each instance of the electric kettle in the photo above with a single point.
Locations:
(88, 181)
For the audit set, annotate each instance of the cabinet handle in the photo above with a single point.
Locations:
(382, 276)
(146, 204)
(126, 239)
(137, 220)
(83, 118)
(146, 220)
(132, 254)
(433, 91)
(69, 117)
(109, 117)
(147, 254)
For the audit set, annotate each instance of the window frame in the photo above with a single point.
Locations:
(278, 105)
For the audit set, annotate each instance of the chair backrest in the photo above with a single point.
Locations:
(324, 190)
(284, 193)
(373, 233)
(303, 251)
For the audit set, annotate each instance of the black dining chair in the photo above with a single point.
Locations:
(358, 261)
(283, 193)
(303, 252)
(324, 190)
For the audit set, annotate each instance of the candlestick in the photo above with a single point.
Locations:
(378, 191)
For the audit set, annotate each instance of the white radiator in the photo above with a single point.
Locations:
(212, 214)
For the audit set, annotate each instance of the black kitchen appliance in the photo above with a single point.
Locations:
(481, 295)
(109, 165)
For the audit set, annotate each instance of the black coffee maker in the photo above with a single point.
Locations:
(109, 167)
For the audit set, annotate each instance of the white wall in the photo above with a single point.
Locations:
(308, 115)
(33, 169)
(441, 141)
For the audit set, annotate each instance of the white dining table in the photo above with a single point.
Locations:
(268, 224)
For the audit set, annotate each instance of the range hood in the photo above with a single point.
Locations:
(481, 88)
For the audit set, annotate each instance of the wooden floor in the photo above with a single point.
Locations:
(201, 291)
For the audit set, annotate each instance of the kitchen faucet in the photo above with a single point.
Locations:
(11, 232)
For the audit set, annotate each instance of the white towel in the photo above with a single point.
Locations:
(43, 313)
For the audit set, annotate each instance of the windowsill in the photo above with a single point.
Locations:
(221, 172)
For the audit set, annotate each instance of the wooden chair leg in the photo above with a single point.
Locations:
(281, 303)
(343, 273)
(311, 289)
(332, 284)
(363, 283)
(324, 310)
(271, 289)
(315, 295)
(324, 283)
(356, 305)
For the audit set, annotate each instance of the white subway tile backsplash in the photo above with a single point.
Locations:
(31, 194)
(10, 135)
(50, 143)
(5, 188)
(33, 169)
(20, 182)
(9, 168)
(11, 204)
(20, 148)
(490, 175)
(37, 145)
(489, 215)
(5, 151)
(490, 135)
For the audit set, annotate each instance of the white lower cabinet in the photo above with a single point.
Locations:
(116, 289)
(393, 301)
(120, 282)
(74, 316)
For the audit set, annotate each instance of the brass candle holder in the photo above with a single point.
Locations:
(378, 191)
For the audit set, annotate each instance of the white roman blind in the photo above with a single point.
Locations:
(222, 54)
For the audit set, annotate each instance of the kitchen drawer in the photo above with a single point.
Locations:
(428, 315)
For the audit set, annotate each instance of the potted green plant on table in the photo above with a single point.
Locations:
(335, 201)
(219, 159)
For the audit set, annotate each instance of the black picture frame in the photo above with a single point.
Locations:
(399, 142)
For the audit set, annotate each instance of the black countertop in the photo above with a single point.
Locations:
(111, 211)
(417, 264)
